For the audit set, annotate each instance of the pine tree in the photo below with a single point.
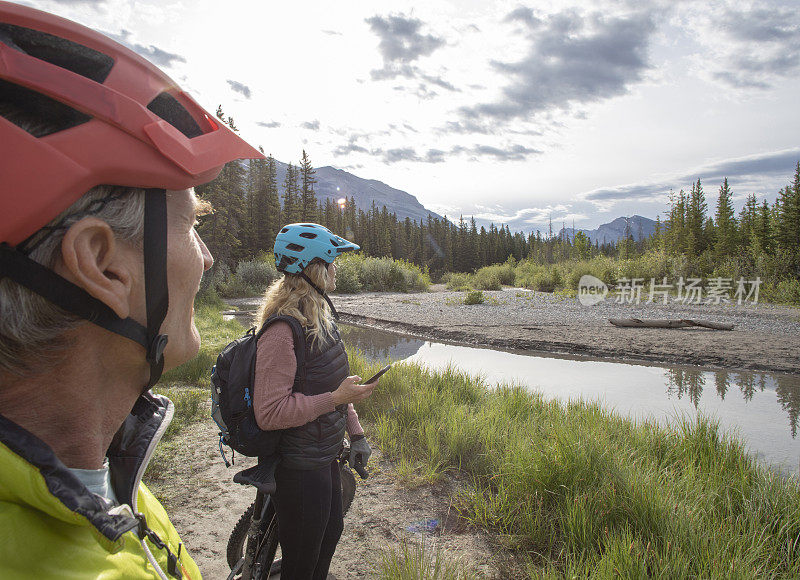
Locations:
(292, 209)
(308, 198)
(788, 222)
(222, 230)
(747, 222)
(725, 222)
(763, 229)
(275, 220)
(675, 226)
(255, 206)
(695, 220)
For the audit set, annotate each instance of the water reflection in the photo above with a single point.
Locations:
(690, 383)
(758, 406)
(380, 345)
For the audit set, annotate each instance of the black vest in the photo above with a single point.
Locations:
(317, 443)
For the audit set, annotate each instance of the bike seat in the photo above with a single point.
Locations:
(260, 476)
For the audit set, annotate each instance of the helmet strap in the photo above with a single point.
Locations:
(155, 277)
(323, 294)
(39, 279)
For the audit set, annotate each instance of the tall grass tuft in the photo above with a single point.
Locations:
(419, 561)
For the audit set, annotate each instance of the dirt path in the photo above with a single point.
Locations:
(204, 504)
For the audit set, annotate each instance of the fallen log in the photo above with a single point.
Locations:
(655, 323)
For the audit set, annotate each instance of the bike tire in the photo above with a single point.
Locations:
(348, 487)
(239, 537)
(264, 563)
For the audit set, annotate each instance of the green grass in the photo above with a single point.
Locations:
(190, 407)
(215, 334)
(581, 492)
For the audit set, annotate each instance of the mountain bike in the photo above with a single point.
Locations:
(253, 550)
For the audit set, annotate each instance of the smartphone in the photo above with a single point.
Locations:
(377, 375)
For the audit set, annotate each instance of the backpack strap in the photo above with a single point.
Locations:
(299, 339)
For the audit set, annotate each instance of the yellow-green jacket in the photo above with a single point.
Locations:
(51, 526)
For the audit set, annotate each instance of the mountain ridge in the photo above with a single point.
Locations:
(637, 226)
(332, 183)
(335, 183)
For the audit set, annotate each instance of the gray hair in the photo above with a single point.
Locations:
(32, 329)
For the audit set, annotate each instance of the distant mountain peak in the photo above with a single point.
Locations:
(639, 226)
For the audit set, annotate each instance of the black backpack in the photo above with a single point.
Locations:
(232, 380)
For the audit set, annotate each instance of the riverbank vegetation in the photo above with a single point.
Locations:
(576, 491)
(570, 489)
(354, 273)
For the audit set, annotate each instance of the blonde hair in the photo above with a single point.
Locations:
(291, 295)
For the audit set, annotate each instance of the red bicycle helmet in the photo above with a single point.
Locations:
(113, 118)
(139, 128)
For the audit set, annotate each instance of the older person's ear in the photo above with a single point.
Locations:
(92, 258)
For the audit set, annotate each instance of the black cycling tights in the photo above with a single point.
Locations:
(309, 506)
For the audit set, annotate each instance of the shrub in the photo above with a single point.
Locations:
(458, 282)
(486, 280)
(214, 278)
(356, 272)
(375, 274)
(784, 291)
(474, 297)
(234, 287)
(347, 275)
(546, 280)
(209, 297)
(257, 274)
(417, 279)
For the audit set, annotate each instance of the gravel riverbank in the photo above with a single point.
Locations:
(765, 337)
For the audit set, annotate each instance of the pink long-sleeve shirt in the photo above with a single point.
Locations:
(274, 403)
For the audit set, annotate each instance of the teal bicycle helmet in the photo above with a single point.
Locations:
(296, 245)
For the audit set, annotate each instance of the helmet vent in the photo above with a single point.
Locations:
(295, 247)
(285, 261)
(308, 235)
(61, 52)
(168, 108)
(334, 243)
(36, 113)
(284, 230)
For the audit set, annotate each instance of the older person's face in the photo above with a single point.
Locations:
(187, 259)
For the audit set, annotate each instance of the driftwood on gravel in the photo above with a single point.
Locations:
(655, 323)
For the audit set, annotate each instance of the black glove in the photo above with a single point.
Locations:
(359, 451)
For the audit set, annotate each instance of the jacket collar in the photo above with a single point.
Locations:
(56, 491)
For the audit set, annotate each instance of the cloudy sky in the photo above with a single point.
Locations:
(509, 111)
